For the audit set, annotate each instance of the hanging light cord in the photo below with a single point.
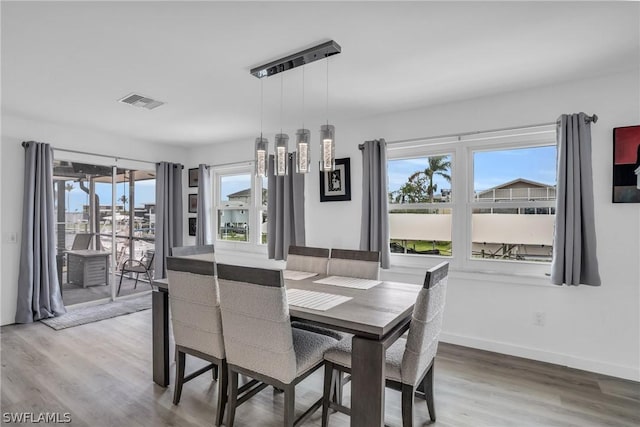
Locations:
(281, 99)
(303, 97)
(327, 89)
(261, 105)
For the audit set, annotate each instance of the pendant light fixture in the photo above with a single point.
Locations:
(262, 144)
(327, 139)
(282, 141)
(303, 137)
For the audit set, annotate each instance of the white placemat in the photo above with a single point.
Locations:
(297, 275)
(348, 282)
(314, 300)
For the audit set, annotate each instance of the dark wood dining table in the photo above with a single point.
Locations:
(376, 317)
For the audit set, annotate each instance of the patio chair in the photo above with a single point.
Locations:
(143, 265)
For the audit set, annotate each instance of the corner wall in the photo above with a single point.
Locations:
(591, 328)
(14, 131)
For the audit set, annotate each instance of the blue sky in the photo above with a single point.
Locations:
(491, 168)
(145, 192)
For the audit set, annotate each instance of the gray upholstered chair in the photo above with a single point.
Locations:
(305, 258)
(410, 362)
(204, 252)
(260, 341)
(197, 323)
(353, 263)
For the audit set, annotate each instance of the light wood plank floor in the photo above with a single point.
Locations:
(101, 374)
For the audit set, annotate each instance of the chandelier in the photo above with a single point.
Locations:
(303, 136)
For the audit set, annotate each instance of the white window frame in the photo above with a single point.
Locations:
(254, 207)
(462, 202)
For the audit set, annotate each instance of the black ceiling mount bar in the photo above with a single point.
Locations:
(303, 57)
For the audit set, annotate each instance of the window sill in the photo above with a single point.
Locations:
(416, 265)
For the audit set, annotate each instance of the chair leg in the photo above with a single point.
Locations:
(214, 372)
(328, 391)
(289, 405)
(223, 386)
(179, 377)
(407, 405)
(135, 285)
(120, 284)
(233, 396)
(149, 278)
(337, 398)
(428, 391)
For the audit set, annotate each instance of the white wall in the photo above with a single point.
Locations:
(14, 131)
(592, 328)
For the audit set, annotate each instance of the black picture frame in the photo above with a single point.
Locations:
(192, 226)
(193, 203)
(193, 177)
(626, 164)
(336, 186)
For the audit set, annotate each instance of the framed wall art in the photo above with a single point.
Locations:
(193, 203)
(193, 177)
(192, 226)
(336, 186)
(626, 164)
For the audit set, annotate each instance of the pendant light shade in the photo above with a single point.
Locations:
(281, 153)
(262, 148)
(303, 160)
(327, 148)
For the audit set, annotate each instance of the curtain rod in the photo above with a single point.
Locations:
(231, 164)
(588, 119)
(24, 143)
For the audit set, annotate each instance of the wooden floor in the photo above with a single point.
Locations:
(101, 374)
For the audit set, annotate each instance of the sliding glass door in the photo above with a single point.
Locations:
(105, 222)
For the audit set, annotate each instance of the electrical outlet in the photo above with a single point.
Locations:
(12, 237)
(539, 318)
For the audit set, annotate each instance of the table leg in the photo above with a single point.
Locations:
(367, 383)
(160, 337)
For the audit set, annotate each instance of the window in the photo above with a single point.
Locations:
(485, 202)
(240, 205)
(513, 208)
(419, 205)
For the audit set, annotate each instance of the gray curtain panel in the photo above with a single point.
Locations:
(374, 232)
(285, 210)
(574, 244)
(39, 294)
(203, 215)
(168, 213)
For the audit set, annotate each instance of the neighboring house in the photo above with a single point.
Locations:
(518, 189)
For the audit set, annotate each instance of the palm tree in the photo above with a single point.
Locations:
(124, 199)
(438, 165)
(68, 187)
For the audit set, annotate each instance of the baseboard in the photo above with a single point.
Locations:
(619, 371)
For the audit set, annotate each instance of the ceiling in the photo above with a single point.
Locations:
(70, 62)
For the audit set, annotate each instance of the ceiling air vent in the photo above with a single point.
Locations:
(140, 101)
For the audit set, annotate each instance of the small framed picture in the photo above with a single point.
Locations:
(193, 177)
(626, 164)
(336, 186)
(193, 203)
(192, 226)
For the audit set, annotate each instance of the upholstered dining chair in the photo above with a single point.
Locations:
(354, 263)
(197, 323)
(259, 340)
(410, 362)
(306, 258)
(204, 252)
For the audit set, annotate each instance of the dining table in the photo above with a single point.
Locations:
(376, 317)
